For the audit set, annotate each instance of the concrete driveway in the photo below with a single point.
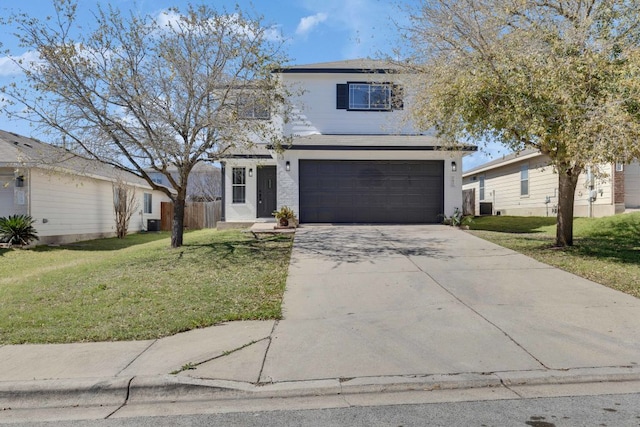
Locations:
(369, 301)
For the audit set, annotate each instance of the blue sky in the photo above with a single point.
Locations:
(314, 30)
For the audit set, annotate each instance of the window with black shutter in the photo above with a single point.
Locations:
(342, 96)
(397, 97)
(366, 96)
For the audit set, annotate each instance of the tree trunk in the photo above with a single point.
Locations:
(567, 181)
(177, 225)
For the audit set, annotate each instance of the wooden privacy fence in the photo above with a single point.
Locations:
(196, 215)
(469, 202)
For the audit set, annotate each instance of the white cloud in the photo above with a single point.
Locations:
(308, 23)
(169, 18)
(366, 24)
(8, 66)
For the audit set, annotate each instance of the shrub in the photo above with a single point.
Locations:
(285, 216)
(457, 219)
(17, 230)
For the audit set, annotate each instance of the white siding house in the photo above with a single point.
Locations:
(70, 198)
(525, 184)
(354, 156)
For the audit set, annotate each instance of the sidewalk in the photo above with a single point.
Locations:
(367, 309)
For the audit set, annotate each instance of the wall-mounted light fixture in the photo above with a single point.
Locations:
(20, 181)
(250, 172)
(454, 167)
(287, 165)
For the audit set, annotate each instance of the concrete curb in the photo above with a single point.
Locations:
(571, 376)
(172, 388)
(64, 393)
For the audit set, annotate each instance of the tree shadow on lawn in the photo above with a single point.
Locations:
(236, 249)
(106, 244)
(619, 241)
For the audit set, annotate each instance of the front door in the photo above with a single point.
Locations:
(266, 191)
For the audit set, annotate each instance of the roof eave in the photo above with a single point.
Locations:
(488, 167)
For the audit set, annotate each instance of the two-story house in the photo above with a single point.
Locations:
(354, 156)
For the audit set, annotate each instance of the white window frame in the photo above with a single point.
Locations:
(356, 87)
(242, 184)
(148, 203)
(481, 188)
(524, 180)
(250, 109)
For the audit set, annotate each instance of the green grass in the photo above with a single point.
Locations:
(138, 287)
(606, 250)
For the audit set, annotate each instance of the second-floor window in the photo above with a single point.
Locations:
(365, 96)
(251, 107)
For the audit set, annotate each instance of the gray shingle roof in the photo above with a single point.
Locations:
(21, 151)
(361, 65)
(502, 160)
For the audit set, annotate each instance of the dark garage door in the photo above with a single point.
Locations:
(371, 191)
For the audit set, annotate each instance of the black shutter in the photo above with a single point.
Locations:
(342, 96)
(397, 97)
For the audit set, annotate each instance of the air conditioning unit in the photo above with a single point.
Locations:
(486, 208)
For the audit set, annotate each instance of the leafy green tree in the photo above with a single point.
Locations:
(560, 76)
(150, 93)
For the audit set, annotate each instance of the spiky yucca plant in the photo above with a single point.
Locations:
(17, 230)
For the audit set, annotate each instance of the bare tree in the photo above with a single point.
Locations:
(205, 185)
(125, 204)
(150, 93)
(560, 76)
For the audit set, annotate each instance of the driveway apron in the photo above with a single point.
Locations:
(420, 300)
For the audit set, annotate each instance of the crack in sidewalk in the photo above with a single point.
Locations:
(193, 365)
(137, 357)
(264, 359)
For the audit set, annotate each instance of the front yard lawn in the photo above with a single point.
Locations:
(606, 250)
(139, 288)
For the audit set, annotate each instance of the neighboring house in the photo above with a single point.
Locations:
(353, 158)
(525, 184)
(204, 182)
(71, 198)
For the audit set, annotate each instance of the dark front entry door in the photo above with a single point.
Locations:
(266, 191)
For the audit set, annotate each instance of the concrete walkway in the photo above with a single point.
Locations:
(367, 308)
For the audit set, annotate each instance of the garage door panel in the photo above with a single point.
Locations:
(371, 191)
